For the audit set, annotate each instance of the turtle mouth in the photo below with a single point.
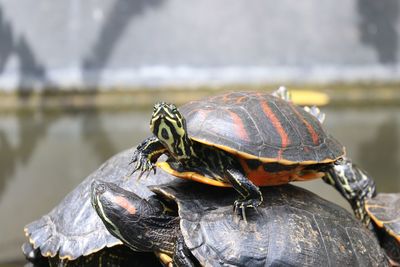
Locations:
(160, 115)
(98, 188)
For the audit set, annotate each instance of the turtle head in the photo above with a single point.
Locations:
(124, 214)
(354, 184)
(169, 126)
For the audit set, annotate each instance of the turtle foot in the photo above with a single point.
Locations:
(142, 164)
(241, 205)
(146, 155)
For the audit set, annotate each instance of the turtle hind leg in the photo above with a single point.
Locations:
(251, 196)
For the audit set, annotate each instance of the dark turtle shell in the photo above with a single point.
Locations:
(73, 228)
(384, 210)
(293, 227)
(260, 126)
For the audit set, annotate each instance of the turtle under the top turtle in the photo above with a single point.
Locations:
(293, 227)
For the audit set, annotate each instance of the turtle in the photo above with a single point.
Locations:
(72, 229)
(193, 225)
(240, 139)
(384, 211)
(379, 212)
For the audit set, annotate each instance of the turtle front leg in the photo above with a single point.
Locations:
(251, 196)
(354, 184)
(146, 155)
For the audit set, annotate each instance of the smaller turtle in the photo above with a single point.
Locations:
(379, 212)
(384, 210)
(239, 139)
(73, 229)
(194, 226)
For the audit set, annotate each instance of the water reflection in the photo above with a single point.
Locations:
(44, 155)
(95, 136)
(31, 128)
(382, 152)
(7, 161)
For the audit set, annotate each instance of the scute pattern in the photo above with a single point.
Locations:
(293, 226)
(260, 125)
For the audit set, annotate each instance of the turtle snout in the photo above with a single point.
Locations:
(98, 188)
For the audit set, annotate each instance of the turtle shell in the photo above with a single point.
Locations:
(260, 126)
(384, 210)
(73, 228)
(292, 227)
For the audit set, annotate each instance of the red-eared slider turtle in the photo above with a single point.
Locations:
(293, 227)
(73, 229)
(380, 212)
(239, 139)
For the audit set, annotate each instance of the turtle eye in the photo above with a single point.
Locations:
(159, 105)
(174, 109)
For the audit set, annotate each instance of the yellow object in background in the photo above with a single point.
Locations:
(309, 98)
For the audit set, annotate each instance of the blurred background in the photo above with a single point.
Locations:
(78, 80)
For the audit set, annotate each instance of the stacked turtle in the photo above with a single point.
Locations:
(292, 227)
(243, 140)
(240, 139)
(193, 225)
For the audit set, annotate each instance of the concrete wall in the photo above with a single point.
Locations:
(109, 43)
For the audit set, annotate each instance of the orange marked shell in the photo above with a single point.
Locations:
(260, 126)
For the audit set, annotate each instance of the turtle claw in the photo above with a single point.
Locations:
(145, 168)
(240, 211)
(241, 205)
(135, 157)
(134, 169)
(142, 164)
